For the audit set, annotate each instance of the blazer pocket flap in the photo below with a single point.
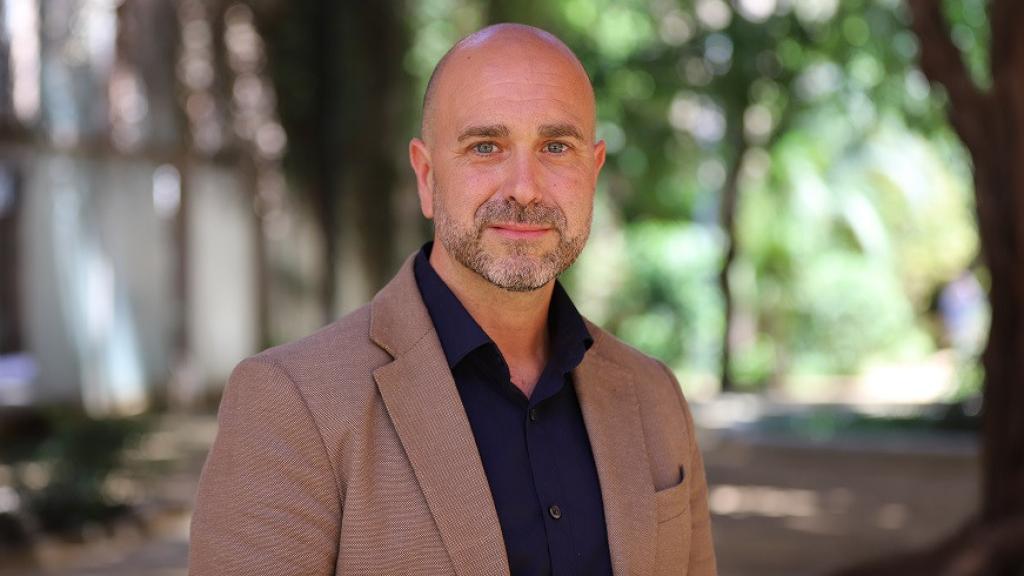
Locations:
(674, 500)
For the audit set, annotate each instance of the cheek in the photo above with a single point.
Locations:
(574, 194)
(468, 188)
(457, 204)
(578, 213)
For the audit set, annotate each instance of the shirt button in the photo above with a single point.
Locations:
(555, 511)
(533, 414)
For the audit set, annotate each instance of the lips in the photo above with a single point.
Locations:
(513, 230)
(521, 227)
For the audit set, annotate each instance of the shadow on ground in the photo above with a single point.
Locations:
(782, 506)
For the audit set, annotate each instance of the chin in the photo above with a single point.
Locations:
(519, 273)
(524, 251)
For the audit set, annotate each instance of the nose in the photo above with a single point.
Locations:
(524, 185)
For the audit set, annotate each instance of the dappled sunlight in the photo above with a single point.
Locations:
(773, 502)
(823, 512)
(932, 379)
(893, 516)
(805, 507)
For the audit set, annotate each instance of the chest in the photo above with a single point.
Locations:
(540, 469)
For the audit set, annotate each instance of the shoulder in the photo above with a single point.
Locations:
(342, 344)
(665, 418)
(657, 390)
(337, 359)
(645, 368)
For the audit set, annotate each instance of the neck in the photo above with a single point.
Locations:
(515, 321)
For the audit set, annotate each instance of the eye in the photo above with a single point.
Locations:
(485, 148)
(556, 147)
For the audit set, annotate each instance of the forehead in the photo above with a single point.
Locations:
(520, 86)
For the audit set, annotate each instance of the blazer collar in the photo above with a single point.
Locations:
(420, 396)
(611, 413)
(424, 405)
(398, 317)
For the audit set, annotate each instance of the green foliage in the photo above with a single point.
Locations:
(854, 196)
(970, 30)
(827, 423)
(673, 310)
(436, 25)
(846, 242)
(846, 307)
(62, 460)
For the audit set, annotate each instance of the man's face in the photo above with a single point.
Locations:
(510, 164)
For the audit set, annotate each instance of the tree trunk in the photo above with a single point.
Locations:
(342, 90)
(999, 178)
(8, 118)
(727, 220)
(323, 180)
(10, 321)
(372, 115)
(991, 125)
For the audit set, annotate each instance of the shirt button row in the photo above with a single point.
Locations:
(555, 511)
(533, 414)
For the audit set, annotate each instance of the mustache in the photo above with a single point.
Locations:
(509, 211)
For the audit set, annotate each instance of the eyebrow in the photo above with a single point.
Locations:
(560, 131)
(492, 131)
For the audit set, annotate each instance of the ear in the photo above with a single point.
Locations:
(599, 157)
(419, 158)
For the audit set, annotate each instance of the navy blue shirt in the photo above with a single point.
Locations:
(535, 451)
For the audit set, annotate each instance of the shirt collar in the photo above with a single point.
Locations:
(460, 334)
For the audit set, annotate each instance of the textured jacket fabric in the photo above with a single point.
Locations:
(348, 452)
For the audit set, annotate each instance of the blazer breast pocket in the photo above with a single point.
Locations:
(672, 547)
(674, 500)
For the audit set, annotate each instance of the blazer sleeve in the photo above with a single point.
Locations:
(268, 500)
(702, 548)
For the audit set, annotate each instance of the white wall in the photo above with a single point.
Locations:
(223, 275)
(97, 279)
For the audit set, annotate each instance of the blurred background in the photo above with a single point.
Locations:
(787, 218)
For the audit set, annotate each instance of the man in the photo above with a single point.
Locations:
(467, 421)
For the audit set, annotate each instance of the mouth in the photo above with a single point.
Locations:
(520, 231)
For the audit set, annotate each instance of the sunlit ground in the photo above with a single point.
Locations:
(161, 481)
(800, 509)
(782, 505)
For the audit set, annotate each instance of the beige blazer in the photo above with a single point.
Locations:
(349, 452)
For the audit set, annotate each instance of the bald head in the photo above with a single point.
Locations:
(494, 46)
(507, 164)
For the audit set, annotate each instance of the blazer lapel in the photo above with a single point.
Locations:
(611, 413)
(425, 408)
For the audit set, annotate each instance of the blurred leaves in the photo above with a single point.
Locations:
(61, 462)
(854, 202)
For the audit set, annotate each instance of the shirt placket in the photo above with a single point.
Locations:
(556, 510)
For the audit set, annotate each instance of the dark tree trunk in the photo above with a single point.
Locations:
(10, 322)
(359, 98)
(323, 180)
(7, 116)
(373, 91)
(727, 220)
(338, 72)
(999, 178)
(991, 125)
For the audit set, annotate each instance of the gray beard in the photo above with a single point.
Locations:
(519, 270)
